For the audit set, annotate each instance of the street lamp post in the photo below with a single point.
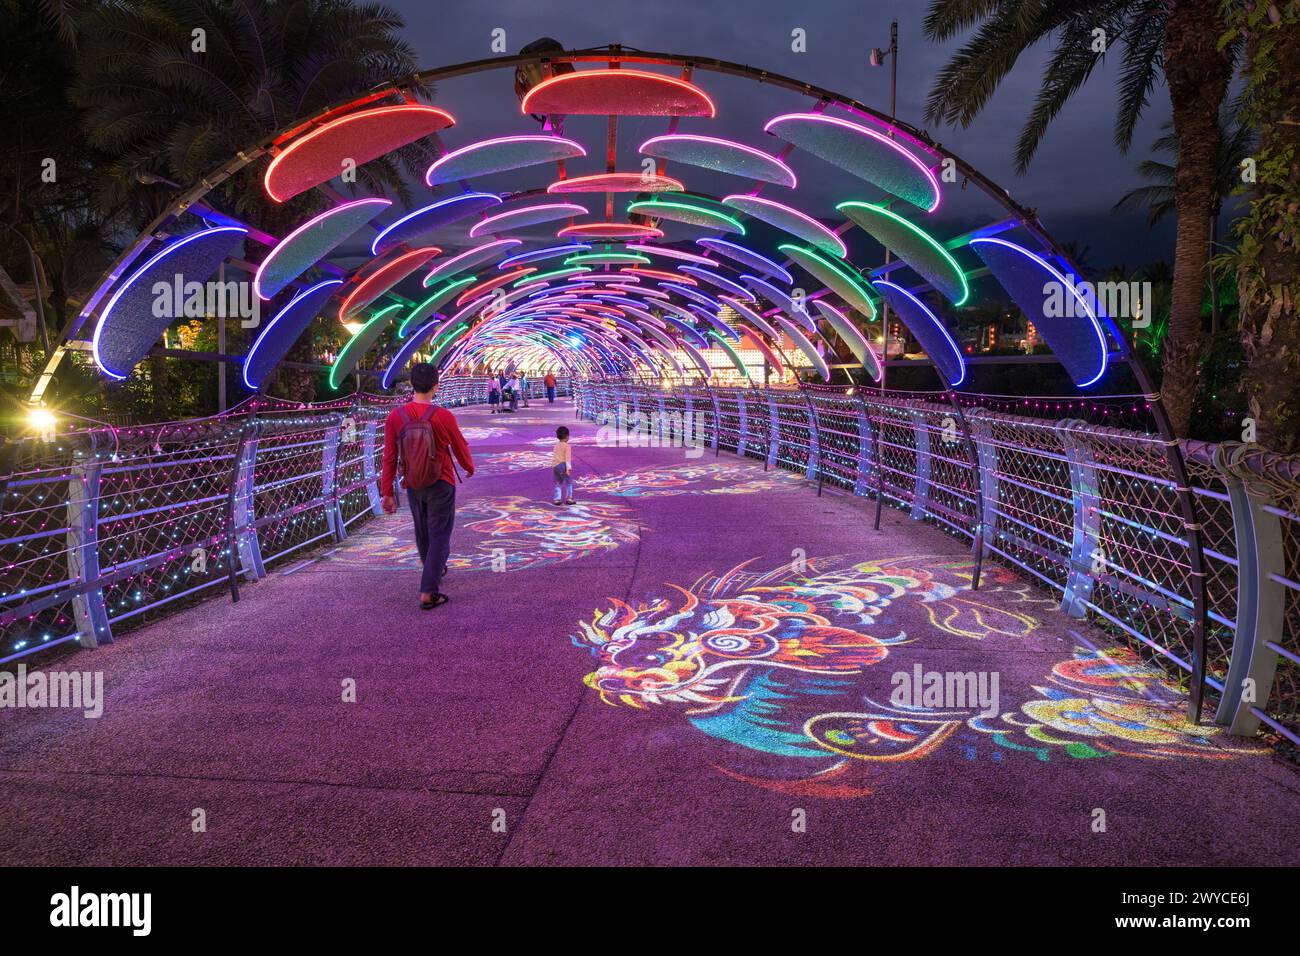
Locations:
(877, 57)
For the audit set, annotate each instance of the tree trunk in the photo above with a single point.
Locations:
(1197, 74)
(1214, 279)
(1270, 285)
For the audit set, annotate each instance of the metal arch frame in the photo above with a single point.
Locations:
(615, 55)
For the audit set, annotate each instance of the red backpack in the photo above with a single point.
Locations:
(419, 456)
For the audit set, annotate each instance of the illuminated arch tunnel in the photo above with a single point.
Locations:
(658, 265)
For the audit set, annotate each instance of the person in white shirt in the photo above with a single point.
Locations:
(562, 468)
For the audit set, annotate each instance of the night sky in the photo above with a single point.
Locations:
(1076, 176)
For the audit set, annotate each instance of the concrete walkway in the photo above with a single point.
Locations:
(702, 662)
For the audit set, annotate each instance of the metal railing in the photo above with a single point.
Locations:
(104, 529)
(1089, 512)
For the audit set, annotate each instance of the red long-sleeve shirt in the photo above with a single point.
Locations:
(445, 430)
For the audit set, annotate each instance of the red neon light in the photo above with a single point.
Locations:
(313, 170)
(617, 92)
(385, 277)
(617, 183)
(659, 274)
(496, 282)
(610, 230)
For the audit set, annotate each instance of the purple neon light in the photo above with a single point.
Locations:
(721, 282)
(1040, 318)
(747, 257)
(444, 169)
(164, 253)
(316, 296)
(669, 252)
(441, 213)
(551, 252)
(880, 138)
(947, 339)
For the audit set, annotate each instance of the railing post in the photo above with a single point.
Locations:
(742, 423)
(921, 492)
(368, 444)
(1261, 606)
(866, 447)
(1087, 517)
(987, 453)
(717, 419)
(88, 606)
(813, 468)
(773, 430)
(245, 553)
(329, 460)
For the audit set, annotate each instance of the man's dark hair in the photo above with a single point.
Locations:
(562, 433)
(424, 377)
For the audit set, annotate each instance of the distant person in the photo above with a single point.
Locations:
(562, 468)
(523, 388)
(512, 393)
(549, 381)
(494, 395)
(420, 439)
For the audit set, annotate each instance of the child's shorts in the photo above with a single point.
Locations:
(560, 471)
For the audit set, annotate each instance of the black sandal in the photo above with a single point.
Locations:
(439, 599)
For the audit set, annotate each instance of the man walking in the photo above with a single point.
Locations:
(421, 438)
(550, 387)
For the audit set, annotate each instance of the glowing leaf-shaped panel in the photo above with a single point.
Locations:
(929, 330)
(310, 242)
(277, 336)
(921, 251)
(499, 155)
(619, 92)
(720, 155)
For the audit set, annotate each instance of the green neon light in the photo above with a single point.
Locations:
(648, 207)
(731, 353)
(548, 276)
(457, 332)
(603, 258)
(857, 287)
(440, 295)
(920, 234)
(354, 344)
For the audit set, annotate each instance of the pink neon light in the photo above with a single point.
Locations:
(561, 209)
(782, 207)
(401, 267)
(879, 137)
(484, 144)
(616, 183)
(284, 243)
(715, 141)
(670, 253)
(494, 283)
(449, 266)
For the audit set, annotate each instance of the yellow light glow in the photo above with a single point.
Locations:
(41, 420)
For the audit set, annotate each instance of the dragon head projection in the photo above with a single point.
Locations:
(783, 671)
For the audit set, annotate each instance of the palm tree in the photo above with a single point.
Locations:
(164, 102)
(1176, 39)
(1235, 144)
(173, 88)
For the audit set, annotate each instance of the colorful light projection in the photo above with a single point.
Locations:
(277, 336)
(864, 152)
(838, 276)
(852, 337)
(501, 154)
(620, 92)
(1056, 303)
(414, 226)
(805, 346)
(310, 242)
(929, 330)
(616, 183)
(774, 671)
(360, 344)
(318, 156)
(746, 257)
(470, 258)
(788, 219)
(527, 216)
(916, 247)
(687, 213)
(129, 326)
(372, 286)
(720, 155)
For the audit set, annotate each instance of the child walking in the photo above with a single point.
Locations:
(562, 468)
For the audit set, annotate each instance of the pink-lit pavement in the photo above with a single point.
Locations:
(701, 662)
